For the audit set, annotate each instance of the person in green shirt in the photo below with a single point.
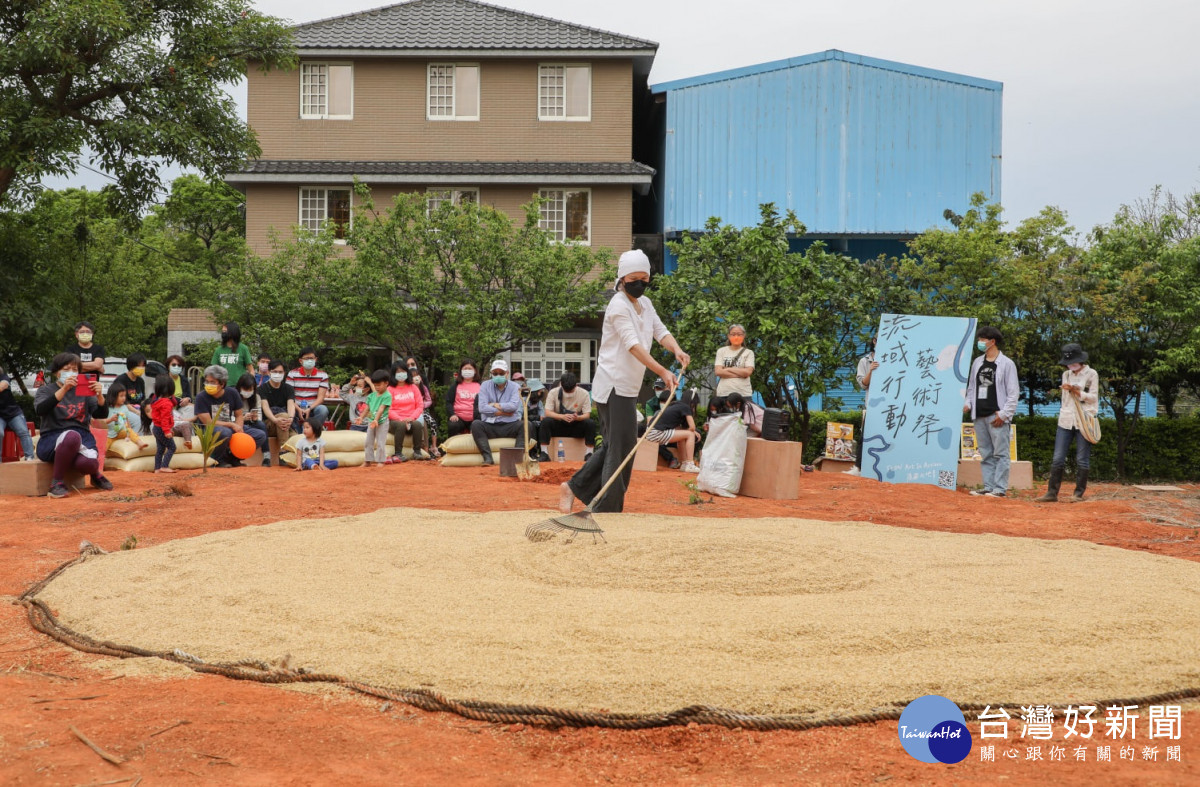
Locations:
(232, 354)
(379, 401)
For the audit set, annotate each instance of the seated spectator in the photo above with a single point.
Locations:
(223, 406)
(183, 389)
(653, 405)
(278, 404)
(310, 449)
(461, 399)
(311, 386)
(66, 416)
(406, 414)
(254, 409)
(677, 426)
(132, 380)
(499, 405)
(751, 413)
(568, 414)
(118, 419)
(418, 379)
(354, 394)
(13, 417)
(262, 370)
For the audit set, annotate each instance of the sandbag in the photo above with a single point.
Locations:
(724, 456)
(465, 444)
(339, 440)
(462, 460)
(127, 449)
(344, 458)
(145, 464)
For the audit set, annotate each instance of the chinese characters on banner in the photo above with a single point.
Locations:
(1086, 737)
(914, 405)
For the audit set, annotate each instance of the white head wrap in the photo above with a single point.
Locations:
(633, 261)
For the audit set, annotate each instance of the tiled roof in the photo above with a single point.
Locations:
(191, 320)
(366, 169)
(457, 25)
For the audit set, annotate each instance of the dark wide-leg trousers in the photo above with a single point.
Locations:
(618, 425)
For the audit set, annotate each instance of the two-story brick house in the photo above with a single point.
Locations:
(459, 100)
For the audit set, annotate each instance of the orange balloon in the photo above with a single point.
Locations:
(242, 445)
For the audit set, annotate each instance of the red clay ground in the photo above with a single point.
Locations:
(252, 734)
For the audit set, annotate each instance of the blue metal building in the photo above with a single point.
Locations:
(867, 152)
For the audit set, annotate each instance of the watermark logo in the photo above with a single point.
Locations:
(933, 729)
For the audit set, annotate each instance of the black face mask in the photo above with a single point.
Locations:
(636, 288)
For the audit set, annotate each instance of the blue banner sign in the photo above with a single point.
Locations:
(915, 400)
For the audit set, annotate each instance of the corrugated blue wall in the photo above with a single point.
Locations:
(851, 144)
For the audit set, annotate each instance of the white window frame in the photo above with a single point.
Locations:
(554, 234)
(325, 216)
(305, 67)
(536, 358)
(456, 196)
(541, 103)
(453, 92)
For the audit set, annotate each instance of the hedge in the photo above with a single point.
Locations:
(1160, 449)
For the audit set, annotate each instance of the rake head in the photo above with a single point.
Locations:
(570, 524)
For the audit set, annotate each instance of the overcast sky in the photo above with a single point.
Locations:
(1101, 98)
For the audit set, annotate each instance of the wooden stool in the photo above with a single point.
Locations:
(32, 479)
(646, 458)
(772, 470)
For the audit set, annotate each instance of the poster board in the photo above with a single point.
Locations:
(839, 441)
(914, 405)
(970, 446)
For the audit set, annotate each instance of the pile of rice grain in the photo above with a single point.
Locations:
(761, 615)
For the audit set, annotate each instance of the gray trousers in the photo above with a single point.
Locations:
(376, 445)
(618, 425)
(993, 453)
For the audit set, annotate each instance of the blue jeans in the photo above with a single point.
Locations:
(1062, 442)
(318, 415)
(311, 464)
(993, 451)
(164, 447)
(21, 428)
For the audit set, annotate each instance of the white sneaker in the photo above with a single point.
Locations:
(852, 471)
(689, 467)
(980, 492)
(995, 494)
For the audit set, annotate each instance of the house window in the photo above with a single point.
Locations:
(564, 92)
(566, 215)
(549, 360)
(435, 198)
(326, 91)
(318, 206)
(453, 92)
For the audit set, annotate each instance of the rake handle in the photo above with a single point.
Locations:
(629, 457)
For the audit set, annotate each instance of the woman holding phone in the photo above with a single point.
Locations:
(67, 406)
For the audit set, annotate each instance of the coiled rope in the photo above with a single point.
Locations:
(45, 621)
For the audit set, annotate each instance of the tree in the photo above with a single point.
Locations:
(461, 282)
(205, 223)
(136, 83)
(803, 313)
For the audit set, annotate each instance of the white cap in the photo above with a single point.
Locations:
(632, 261)
(499, 363)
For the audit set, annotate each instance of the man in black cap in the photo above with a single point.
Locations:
(1080, 384)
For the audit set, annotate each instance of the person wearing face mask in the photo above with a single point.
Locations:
(262, 371)
(461, 400)
(231, 353)
(66, 415)
(734, 364)
(354, 394)
(224, 406)
(866, 367)
(431, 425)
(499, 404)
(182, 391)
(658, 401)
(279, 402)
(1082, 382)
(311, 386)
(133, 380)
(406, 414)
(253, 404)
(568, 414)
(91, 355)
(631, 325)
(993, 391)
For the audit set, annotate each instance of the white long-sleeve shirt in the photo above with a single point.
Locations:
(624, 327)
(1088, 380)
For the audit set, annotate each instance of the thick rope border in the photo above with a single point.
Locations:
(45, 621)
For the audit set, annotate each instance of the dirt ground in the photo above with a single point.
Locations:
(209, 730)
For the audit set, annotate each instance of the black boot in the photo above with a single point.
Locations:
(1051, 496)
(1081, 475)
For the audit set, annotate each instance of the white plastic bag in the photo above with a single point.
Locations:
(724, 456)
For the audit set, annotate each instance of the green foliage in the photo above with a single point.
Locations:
(462, 282)
(803, 313)
(137, 84)
(210, 440)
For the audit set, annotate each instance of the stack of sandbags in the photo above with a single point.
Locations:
(461, 450)
(124, 455)
(348, 447)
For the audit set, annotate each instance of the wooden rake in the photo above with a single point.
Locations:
(583, 521)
